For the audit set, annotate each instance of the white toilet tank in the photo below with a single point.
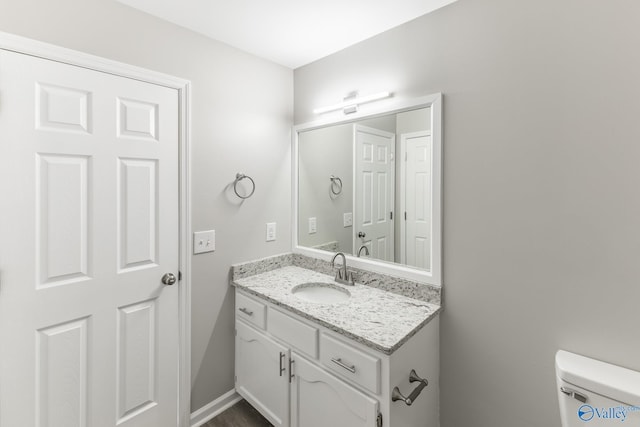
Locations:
(596, 394)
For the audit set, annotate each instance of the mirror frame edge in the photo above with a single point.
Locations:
(432, 277)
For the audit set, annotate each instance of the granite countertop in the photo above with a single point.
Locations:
(378, 319)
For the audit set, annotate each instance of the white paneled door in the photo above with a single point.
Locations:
(416, 199)
(374, 202)
(89, 200)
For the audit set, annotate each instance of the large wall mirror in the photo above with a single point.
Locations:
(369, 185)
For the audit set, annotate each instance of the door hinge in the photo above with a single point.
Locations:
(179, 275)
(379, 420)
(390, 215)
(405, 216)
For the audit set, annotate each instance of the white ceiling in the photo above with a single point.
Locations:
(289, 32)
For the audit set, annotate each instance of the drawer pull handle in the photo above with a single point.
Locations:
(338, 361)
(291, 374)
(413, 377)
(246, 311)
(282, 368)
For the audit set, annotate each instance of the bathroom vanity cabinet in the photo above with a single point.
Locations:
(262, 377)
(299, 373)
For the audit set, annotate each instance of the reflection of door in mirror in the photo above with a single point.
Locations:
(415, 200)
(384, 164)
(374, 166)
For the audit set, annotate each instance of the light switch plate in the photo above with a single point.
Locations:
(271, 231)
(347, 219)
(313, 225)
(204, 241)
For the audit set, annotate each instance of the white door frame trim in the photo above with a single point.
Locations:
(51, 52)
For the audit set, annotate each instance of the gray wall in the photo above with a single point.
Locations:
(242, 113)
(413, 121)
(541, 206)
(322, 153)
(385, 123)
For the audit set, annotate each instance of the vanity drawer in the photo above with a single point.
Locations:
(350, 363)
(250, 310)
(294, 332)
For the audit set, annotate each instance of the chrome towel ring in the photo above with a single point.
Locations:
(240, 177)
(336, 185)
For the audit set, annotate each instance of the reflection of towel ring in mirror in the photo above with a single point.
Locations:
(336, 185)
(240, 177)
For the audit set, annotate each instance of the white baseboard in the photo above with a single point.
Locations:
(212, 409)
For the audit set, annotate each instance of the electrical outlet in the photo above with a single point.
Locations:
(313, 225)
(347, 219)
(271, 231)
(204, 241)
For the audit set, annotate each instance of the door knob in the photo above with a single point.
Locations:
(362, 234)
(169, 279)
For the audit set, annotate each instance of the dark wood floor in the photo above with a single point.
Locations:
(239, 415)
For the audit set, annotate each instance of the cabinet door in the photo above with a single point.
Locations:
(318, 399)
(261, 374)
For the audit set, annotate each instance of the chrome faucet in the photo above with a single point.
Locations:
(366, 250)
(343, 275)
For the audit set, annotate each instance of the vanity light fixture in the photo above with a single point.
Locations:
(350, 102)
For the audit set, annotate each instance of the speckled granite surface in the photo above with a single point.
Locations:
(378, 319)
(246, 269)
(407, 288)
(329, 246)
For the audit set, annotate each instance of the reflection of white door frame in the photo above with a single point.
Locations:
(381, 227)
(46, 51)
(405, 252)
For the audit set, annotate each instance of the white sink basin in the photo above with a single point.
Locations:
(324, 293)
